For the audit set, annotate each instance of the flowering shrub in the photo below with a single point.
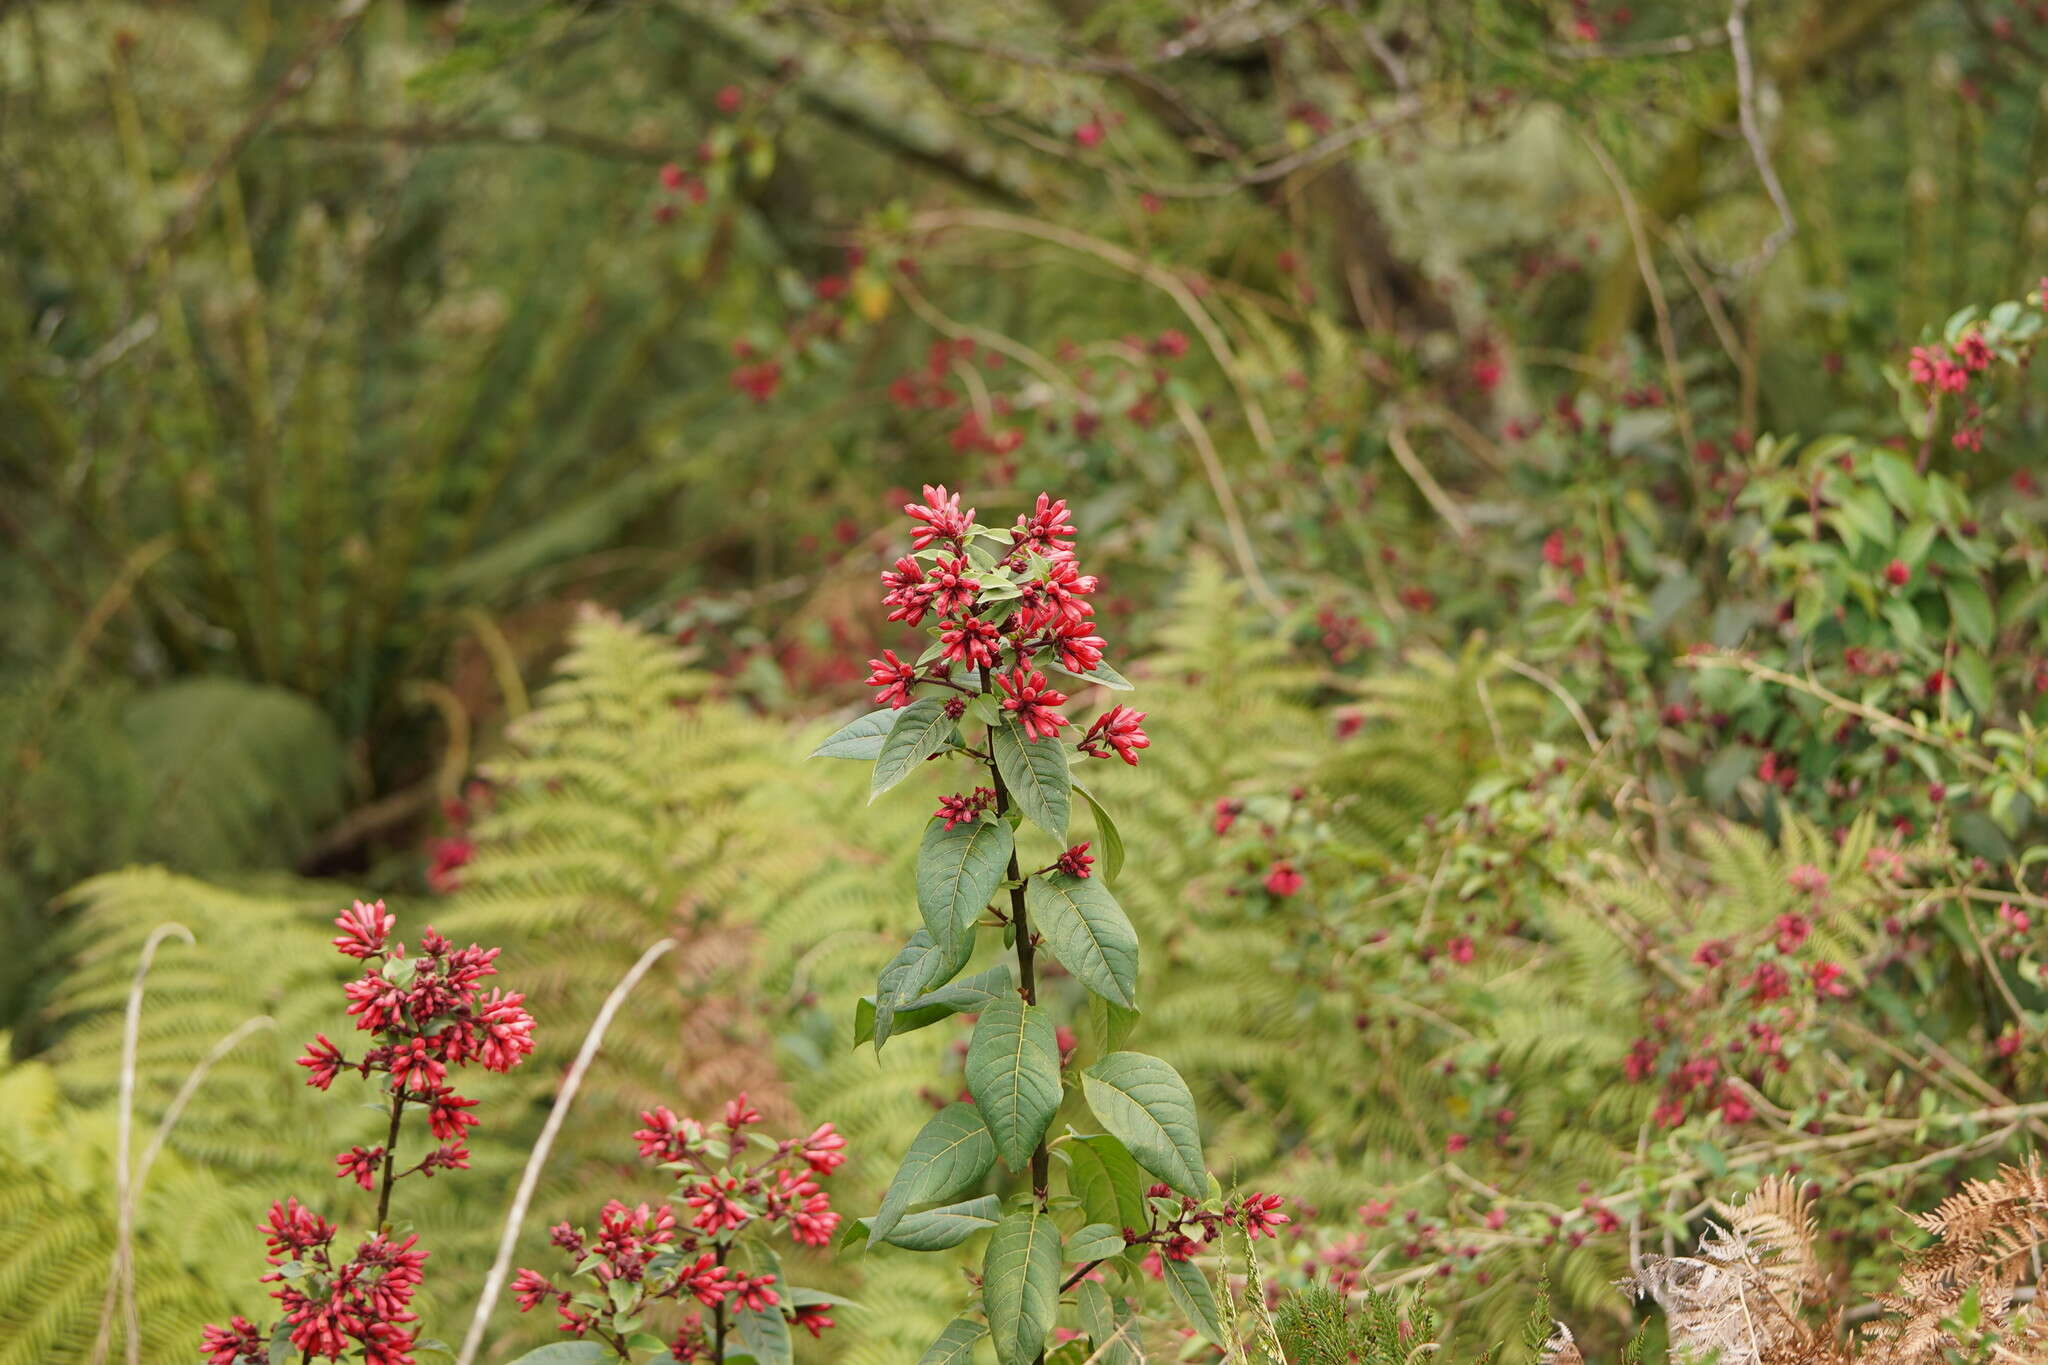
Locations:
(640, 1258)
(1004, 608)
(427, 1017)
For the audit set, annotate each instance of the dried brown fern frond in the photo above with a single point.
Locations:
(1986, 1236)
(1561, 1348)
(1738, 1301)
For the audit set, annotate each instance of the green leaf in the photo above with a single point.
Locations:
(1111, 1329)
(950, 1153)
(1145, 1104)
(1013, 1072)
(1109, 842)
(1102, 675)
(969, 995)
(565, 1353)
(940, 1228)
(1104, 1176)
(1020, 1285)
(1096, 1242)
(1088, 932)
(1189, 1289)
(955, 1345)
(920, 966)
(859, 738)
(763, 1334)
(1112, 1024)
(921, 730)
(1973, 673)
(1035, 771)
(1970, 610)
(957, 871)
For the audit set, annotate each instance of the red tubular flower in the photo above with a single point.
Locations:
(293, 1229)
(953, 592)
(235, 1343)
(893, 678)
(1075, 862)
(666, 1137)
(939, 516)
(823, 1149)
(449, 1115)
(756, 1293)
(811, 1317)
(707, 1280)
(529, 1287)
(359, 1164)
(1032, 702)
(507, 1030)
(971, 641)
(364, 930)
(716, 1208)
(957, 809)
(812, 1224)
(1079, 649)
(1119, 729)
(909, 593)
(1282, 879)
(1262, 1216)
(322, 1061)
(414, 1067)
(739, 1113)
(1045, 531)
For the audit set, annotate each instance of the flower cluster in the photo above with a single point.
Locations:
(683, 1251)
(1180, 1228)
(426, 1014)
(1002, 614)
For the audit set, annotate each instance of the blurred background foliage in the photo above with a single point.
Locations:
(1433, 383)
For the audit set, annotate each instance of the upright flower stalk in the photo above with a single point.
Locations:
(428, 1017)
(1006, 608)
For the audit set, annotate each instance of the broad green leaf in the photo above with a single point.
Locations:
(949, 1154)
(1088, 932)
(763, 1334)
(565, 1353)
(921, 729)
(940, 1228)
(1112, 1331)
(920, 966)
(1970, 610)
(966, 996)
(1145, 1104)
(1013, 1072)
(957, 871)
(1109, 842)
(1905, 488)
(1020, 1285)
(858, 738)
(955, 1345)
(1035, 771)
(1096, 1242)
(1973, 672)
(1112, 1023)
(1102, 675)
(1103, 1175)
(1189, 1289)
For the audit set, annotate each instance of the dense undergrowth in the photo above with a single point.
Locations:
(1575, 517)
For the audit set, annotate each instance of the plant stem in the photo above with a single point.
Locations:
(718, 1317)
(390, 1158)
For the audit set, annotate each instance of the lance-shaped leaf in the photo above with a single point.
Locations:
(1145, 1104)
(1109, 842)
(1087, 931)
(1189, 1289)
(921, 730)
(1111, 1328)
(1103, 1175)
(1020, 1285)
(920, 966)
(1102, 675)
(763, 1334)
(1035, 772)
(969, 995)
(937, 1229)
(1096, 1242)
(950, 1153)
(1013, 1072)
(955, 1345)
(957, 871)
(858, 738)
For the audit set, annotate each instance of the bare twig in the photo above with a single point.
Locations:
(1404, 455)
(1233, 521)
(494, 1283)
(123, 1271)
(1752, 133)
